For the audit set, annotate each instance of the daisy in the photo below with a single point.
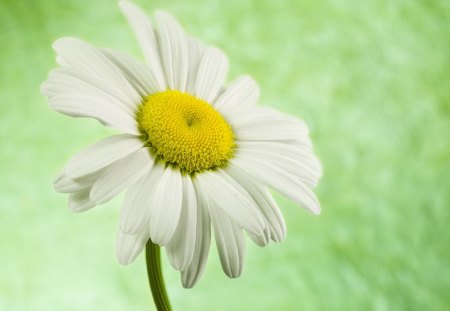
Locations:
(194, 153)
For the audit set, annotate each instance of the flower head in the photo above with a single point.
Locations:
(193, 152)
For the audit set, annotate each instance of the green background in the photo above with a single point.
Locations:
(371, 79)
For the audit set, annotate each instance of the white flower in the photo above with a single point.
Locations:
(193, 152)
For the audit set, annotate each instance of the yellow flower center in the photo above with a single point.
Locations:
(185, 131)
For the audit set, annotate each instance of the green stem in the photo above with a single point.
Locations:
(155, 278)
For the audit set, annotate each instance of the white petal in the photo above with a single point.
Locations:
(74, 81)
(173, 50)
(96, 66)
(166, 207)
(79, 201)
(282, 156)
(280, 180)
(129, 246)
(241, 92)
(65, 184)
(261, 240)
(102, 154)
(295, 151)
(120, 175)
(272, 214)
(195, 54)
(95, 108)
(211, 74)
(138, 74)
(230, 242)
(265, 124)
(267, 205)
(136, 208)
(180, 249)
(140, 23)
(74, 93)
(233, 199)
(259, 113)
(202, 242)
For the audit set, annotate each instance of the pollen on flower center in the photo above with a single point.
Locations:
(185, 131)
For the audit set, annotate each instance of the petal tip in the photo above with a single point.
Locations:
(317, 210)
(187, 285)
(123, 260)
(59, 43)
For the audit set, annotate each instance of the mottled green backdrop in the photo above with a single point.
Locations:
(372, 80)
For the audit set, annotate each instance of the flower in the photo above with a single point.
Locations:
(193, 152)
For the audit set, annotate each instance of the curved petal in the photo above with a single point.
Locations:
(74, 93)
(95, 108)
(279, 156)
(94, 64)
(166, 207)
(65, 184)
(211, 74)
(129, 246)
(298, 152)
(173, 46)
(280, 180)
(120, 175)
(192, 274)
(241, 92)
(137, 73)
(229, 240)
(74, 81)
(266, 124)
(233, 199)
(261, 240)
(79, 201)
(180, 249)
(195, 54)
(136, 208)
(269, 208)
(102, 154)
(140, 23)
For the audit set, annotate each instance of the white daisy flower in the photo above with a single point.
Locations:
(193, 152)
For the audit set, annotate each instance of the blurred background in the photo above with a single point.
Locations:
(370, 78)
